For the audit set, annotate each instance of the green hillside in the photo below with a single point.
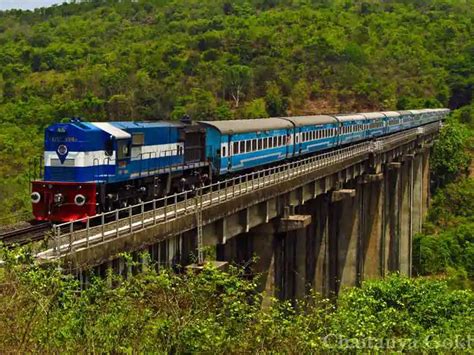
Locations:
(222, 59)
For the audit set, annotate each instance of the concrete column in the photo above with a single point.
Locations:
(372, 236)
(300, 263)
(263, 249)
(417, 205)
(392, 219)
(344, 243)
(317, 246)
(426, 182)
(405, 203)
(284, 266)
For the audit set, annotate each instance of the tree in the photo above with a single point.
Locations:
(237, 79)
(255, 109)
(450, 158)
(276, 104)
(202, 105)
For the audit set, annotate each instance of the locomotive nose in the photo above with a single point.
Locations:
(58, 198)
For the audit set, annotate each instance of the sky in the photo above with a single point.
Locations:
(27, 4)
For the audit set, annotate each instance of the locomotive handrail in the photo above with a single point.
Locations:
(123, 221)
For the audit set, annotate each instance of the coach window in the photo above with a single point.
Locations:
(248, 146)
(254, 145)
(259, 143)
(224, 151)
(236, 147)
(242, 146)
(264, 143)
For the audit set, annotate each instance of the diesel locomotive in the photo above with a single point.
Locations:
(91, 167)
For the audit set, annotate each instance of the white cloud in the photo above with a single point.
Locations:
(27, 4)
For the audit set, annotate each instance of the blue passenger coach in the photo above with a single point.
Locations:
(353, 128)
(244, 144)
(314, 133)
(375, 124)
(392, 121)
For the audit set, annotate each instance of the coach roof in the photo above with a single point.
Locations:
(253, 125)
(299, 121)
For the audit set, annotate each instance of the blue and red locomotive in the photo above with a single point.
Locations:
(94, 167)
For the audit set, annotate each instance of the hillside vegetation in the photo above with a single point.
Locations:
(41, 311)
(221, 59)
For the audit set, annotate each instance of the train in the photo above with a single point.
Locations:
(94, 167)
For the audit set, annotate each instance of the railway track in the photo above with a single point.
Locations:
(25, 235)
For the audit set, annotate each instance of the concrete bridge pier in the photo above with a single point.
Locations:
(406, 218)
(391, 216)
(344, 239)
(426, 152)
(372, 219)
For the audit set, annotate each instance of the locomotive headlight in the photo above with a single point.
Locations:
(35, 197)
(58, 198)
(62, 149)
(80, 200)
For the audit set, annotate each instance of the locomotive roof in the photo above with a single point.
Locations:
(112, 130)
(145, 124)
(253, 125)
(299, 121)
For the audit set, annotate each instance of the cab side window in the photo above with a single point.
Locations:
(123, 149)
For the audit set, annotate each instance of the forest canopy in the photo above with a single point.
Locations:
(222, 59)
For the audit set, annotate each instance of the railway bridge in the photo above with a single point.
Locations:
(324, 222)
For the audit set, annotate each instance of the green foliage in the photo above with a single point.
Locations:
(149, 60)
(255, 109)
(453, 204)
(454, 248)
(465, 115)
(420, 313)
(451, 158)
(276, 103)
(447, 245)
(42, 310)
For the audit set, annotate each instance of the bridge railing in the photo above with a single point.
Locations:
(109, 225)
